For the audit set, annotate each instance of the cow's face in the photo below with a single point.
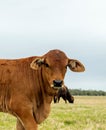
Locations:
(54, 65)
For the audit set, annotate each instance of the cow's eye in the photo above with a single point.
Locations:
(46, 65)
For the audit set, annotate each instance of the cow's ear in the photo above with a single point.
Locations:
(76, 65)
(37, 62)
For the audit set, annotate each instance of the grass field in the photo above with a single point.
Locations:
(87, 113)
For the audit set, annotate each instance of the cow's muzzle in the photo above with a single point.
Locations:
(57, 83)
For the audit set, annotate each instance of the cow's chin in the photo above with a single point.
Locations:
(56, 87)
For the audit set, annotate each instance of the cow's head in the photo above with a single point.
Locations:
(70, 99)
(54, 65)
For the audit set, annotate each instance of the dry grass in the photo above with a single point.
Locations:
(87, 113)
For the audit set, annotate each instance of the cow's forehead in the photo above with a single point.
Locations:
(56, 55)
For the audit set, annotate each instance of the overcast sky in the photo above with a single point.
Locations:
(77, 27)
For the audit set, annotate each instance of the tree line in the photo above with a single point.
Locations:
(81, 92)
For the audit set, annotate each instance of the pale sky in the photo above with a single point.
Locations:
(77, 27)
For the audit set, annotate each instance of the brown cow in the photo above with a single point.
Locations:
(65, 94)
(27, 86)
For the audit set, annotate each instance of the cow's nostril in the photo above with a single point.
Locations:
(57, 83)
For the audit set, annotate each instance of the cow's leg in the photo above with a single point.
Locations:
(65, 100)
(58, 99)
(55, 99)
(27, 120)
(19, 125)
(23, 109)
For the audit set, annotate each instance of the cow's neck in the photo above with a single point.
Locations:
(43, 97)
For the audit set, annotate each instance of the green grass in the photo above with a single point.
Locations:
(87, 113)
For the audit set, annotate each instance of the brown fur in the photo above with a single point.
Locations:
(25, 86)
